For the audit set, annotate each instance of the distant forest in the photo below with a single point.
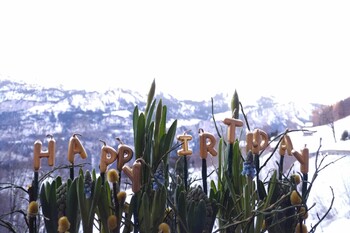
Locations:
(329, 114)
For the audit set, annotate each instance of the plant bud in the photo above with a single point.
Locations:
(164, 228)
(295, 178)
(113, 176)
(63, 224)
(121, 196)
(126, 207)
(112, 222)
(303, 213)
(33, 209)
(295, 198)
(301, 229)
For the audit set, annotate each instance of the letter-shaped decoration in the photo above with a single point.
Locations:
(184, 150)
(75, 147)
(49, 153)
(256, 141)
(108, 156)
(286, 145)
(232, 123)
(303, 159)
(134, 175)
(206, 144)
(124, 155)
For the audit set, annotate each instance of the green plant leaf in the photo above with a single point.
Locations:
(162, 125)
(168, 139)
(46, 207)
(196, 215)
(84, 205)
(150, 96)
(181, 210)
(72, 207)
(157, 126)
(237, 169)
(104, 206)
(272, 195)
(135, 120)
(237, 208)
(144, 214)
(140, 136)
(150, 114)
(95, 198)
(158, 207)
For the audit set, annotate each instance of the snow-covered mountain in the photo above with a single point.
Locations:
(28, 113)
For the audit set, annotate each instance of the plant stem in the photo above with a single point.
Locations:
(71, 171)
(102, 174)
(116, 204)
(185, 171)
(204, 175)
(256, 163)
(32, 225)
(280, 167)
(33, 196)
(35, 186)
(230, 159)
(136, 218)
(304, 185)
(120, 176)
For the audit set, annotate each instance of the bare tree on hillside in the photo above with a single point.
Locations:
(325, 116)
(328, 118)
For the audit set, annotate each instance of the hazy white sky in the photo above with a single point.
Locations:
(193, 49)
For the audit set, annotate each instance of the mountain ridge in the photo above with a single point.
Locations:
(30, 112)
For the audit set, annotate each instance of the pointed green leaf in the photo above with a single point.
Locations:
(157, 134)
(83, 204)
(72, 208)
(237, 169)
(271, 189)
(150, 96)
(168, 139)
(162, 125)
(135, 120)
(53, 204)
(237, 208)
(140, 136)
(45, 205)
(158, 206)
(150, 114)
(144, 214)
(261, 190)
(182, 211)
(95, 198)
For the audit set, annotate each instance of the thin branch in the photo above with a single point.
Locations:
(313, 229)
(212, 112)
(244, 115)
(10, 185)
(48, 174)
(7, 225)
(331, 163)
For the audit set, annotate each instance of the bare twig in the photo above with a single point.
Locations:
(244, 115)
(313, 229)
(212, 112)
(10, 186)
